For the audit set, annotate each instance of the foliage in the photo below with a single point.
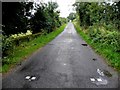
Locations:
(63, 20)
(105, 37)
(46, 17)
(100, 25)
(21, 34)
(71, 16)
(6, 45)
(101, 20)
(18, 17)
(27, 48)
(90, 13)
(15, 17)
(9, 43)
(105, 48)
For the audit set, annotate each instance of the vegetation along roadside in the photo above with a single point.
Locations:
(27, 48)
(103, 48)
(99, 26)
(24, 31)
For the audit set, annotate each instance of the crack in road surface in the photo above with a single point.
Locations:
(63, 63)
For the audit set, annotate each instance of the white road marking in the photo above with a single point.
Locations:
(64, 64)
(27, 77)
(33, 78)
(99, 79)
(100, 72)
(92, 79)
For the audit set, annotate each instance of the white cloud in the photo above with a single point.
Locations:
(65, 6)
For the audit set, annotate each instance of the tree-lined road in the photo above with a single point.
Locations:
(65, 62)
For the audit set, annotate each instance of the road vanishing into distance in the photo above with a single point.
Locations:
(65, 62)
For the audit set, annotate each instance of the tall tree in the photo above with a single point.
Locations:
(15, 16)
(46, 17)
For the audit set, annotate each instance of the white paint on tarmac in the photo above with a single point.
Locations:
(99, 81)
(30, 78)
(33, 78)
(64, 64)
(92, 79)
(27, 77)
(100, 72)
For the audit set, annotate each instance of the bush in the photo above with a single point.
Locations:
(104, 36)
(8, 43)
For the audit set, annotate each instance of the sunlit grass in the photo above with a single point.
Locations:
(27, 48)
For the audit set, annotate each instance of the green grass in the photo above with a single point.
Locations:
(111, 57)
(27, 48)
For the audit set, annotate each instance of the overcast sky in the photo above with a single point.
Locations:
(65, 6)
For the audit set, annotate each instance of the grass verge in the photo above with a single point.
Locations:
(27, 48)
(112, 58)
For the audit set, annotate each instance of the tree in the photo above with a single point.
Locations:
(15, 16)
(90, 13)
(46, 17)
(71, 16)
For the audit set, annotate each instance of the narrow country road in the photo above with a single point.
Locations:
(65, 62)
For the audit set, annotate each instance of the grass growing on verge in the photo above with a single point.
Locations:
(27, 48)
(112, 58)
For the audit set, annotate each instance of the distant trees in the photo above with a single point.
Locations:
(71, 16)
(63, 20)
(18, 17)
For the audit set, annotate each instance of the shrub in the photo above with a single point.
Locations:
(105, 36)
(8, 43)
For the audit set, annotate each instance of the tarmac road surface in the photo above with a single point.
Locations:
(65, 62)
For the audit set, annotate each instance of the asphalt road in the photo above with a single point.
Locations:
(63, 63)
